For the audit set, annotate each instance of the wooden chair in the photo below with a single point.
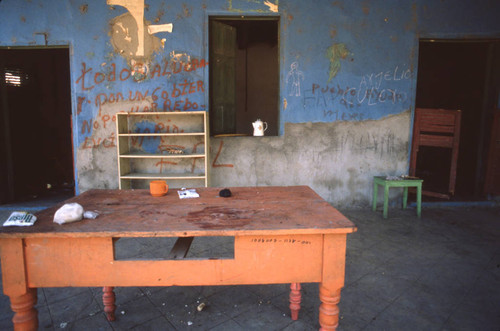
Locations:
(437, 128)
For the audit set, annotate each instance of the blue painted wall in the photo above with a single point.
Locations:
(340, 60)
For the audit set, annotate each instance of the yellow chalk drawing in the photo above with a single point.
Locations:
(335, 53)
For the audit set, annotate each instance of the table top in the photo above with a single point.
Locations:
(249, 211)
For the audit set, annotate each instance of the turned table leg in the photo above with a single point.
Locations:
(328, 310)
(108, 299)
(25, 313)
(295, 298)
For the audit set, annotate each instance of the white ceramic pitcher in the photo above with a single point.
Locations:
(259, 127)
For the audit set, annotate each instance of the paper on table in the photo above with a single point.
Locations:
(20, 218)
(185, 194)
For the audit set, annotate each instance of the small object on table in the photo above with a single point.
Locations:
(158, 188)
(225, 193)
(88, 214)
(69, 212)
(186, 194)
(20, 218)
(402, 181)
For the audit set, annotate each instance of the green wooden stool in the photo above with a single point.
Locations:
(399, 182)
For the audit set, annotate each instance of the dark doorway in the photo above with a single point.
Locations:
(458, 75)
(244, 74)
(35, 124)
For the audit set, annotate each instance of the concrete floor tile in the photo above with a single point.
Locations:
(396, 317)
(265, 317)
(356, 308)
(304, 323)
(6, 322)
(143, 248)
(228, 325)
(134, 313)
(156, 324)
(55, 294)
(189, 317)
(175, 299)
(74, 308)
(403, 268)
(234, 301)
(269, 291)
(96, 322)
(430, 306)
(357, 267)
(447, 282)
(466, 317)
(44, 318)
(381, 286)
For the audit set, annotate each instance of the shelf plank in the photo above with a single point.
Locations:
(160, 156)
(182, 134)
(162, 176)
(149, 114)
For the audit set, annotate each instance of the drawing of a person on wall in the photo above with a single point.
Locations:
(296, 76)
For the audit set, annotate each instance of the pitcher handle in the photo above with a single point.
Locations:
(265, 126)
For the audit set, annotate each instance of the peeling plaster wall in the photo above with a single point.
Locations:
(347, 80)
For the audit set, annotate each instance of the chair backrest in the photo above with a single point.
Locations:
(438, 128)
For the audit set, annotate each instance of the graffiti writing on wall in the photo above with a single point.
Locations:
(90, 78)
(176, 96)
(340, 102)
(219, 165)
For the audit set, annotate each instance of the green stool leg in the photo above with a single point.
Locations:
(375, 192)
(405, 196)
(419, 200)
(386, 199)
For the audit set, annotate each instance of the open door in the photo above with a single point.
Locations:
(492, 179)
(492, 184)
(222, 77)
(461, 74)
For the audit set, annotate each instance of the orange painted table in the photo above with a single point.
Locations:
(281, 235)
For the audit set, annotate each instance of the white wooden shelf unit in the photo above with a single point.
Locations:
(171, 146)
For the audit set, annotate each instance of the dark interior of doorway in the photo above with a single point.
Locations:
(244, 74)
(36, 150)
(454, 75)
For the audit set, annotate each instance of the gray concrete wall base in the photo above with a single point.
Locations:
(338, 160)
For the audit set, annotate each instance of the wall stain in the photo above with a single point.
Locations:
(84, 8)
(219, 218)
(366, 8)
(338, 4)
(159, 15)
(186, 12)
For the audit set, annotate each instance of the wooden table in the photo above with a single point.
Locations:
(281, 235)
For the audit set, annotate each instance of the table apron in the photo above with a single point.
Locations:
(265, 259)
